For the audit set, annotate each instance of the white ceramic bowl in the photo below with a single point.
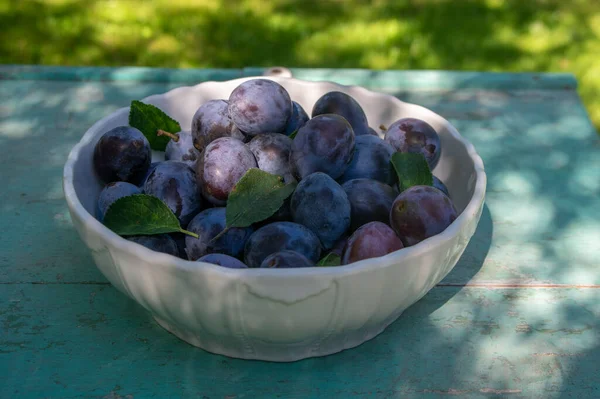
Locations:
(278, 314)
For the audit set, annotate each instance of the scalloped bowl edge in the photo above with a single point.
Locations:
(271, 314)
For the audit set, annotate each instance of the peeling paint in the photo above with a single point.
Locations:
(446, 391)
(500, 391)
(552, 354)
(523, 327)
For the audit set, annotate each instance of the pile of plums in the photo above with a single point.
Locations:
(346, 201)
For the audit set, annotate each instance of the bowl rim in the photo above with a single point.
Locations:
(166, 260)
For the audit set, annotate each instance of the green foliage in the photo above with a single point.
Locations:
(149, 119)
(411, 169)
(329, 260)
(486, 35)
(142, 214)
(256, 197)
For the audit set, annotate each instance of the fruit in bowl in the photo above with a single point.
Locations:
(304, 235)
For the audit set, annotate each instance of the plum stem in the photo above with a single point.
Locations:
(382, 127)
(215, 238)
(189, 233)
(174, 137)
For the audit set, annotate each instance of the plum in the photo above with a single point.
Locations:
(122, 154)
(324, 144)
(279, 236)
(336, 102)
(286, 259)
(415, 136)
(371, 240)
(260, 106)
(222, 163)
(370, 201)
(174, 183)
(420, 212)
(321, 204)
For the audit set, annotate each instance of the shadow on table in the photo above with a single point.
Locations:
(493, 342)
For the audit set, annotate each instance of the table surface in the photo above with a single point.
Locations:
(519, 316)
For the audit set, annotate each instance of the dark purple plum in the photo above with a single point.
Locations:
(150, 170)
(211, 121)
(260, 106)
(181, 148)
(122, 154)
(223, 260)
(280, 236)
(175, 184)
(371, 240)
(321, 204)
(415, 136)
(208, 224)
(283, 214)
(336, 102)
(180, 241)
(298, 119)
(285, 260)
(324, 144)
(420, 212)
(370, 201)
(222, 163)
(371, 160)
(437, 183)
(272, 153)
(339, 245)
(112, 192)
(159, 243)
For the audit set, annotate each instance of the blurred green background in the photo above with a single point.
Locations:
(482, 35)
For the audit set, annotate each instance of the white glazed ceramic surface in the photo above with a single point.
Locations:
(278, 314)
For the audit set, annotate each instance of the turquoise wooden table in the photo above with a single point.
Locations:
(519, 316)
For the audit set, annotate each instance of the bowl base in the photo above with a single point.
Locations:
(278, 352)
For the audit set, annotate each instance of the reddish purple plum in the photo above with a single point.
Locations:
(420, 212)
(272, 153)
(371, 240)
(415, 136)
(222, 163)
(260, 106)
(211, 121)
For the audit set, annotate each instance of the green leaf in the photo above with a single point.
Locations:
(329, 260)
(142, 214)
(293, 135)
(255, 197)
(149, 119)
(412, 170)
